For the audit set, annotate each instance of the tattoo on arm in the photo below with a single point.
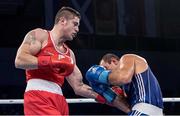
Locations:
(30, 38)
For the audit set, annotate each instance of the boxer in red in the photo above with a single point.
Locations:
(48, 61)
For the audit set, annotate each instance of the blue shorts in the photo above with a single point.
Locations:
(136, 113)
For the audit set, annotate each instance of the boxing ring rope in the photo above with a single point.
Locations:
(77, 100)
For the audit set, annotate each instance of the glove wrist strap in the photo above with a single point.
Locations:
(103, 77)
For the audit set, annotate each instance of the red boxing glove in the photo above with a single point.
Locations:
(100, 99)
(62, 66)
(118, 90)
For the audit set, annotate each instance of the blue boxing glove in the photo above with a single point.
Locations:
(104, 90)
(97, 74)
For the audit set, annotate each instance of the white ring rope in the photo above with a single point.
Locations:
(81, 100)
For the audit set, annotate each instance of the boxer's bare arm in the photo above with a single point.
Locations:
(75, 79)
(129, 65)
(124, 72)
(25, 58)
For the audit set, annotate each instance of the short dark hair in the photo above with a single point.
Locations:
(107, 57)
(66, 12)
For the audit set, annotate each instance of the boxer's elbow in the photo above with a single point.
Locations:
(121, 79)
(124, 79)
(125, 76)
(19, 63)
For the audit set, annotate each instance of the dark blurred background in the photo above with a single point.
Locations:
(150, 28)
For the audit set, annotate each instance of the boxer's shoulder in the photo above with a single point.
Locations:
(41, 34)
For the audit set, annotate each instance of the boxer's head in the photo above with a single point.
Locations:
(68, 21)
(109, 61)
(67, 13)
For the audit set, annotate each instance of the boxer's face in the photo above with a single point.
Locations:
(109, 66)
(71, 28)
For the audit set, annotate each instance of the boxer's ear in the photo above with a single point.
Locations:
(115, 61)
(62, 20)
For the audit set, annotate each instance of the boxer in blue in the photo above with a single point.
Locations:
(133, 73)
